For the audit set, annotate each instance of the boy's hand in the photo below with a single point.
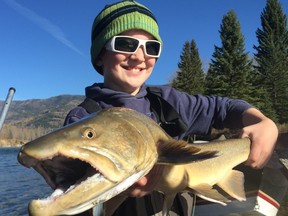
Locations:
(263, 133)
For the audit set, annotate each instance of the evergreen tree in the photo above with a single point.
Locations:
(190, 78)
(180, 82)
(198, 76)
(272, 60)
(230, 72)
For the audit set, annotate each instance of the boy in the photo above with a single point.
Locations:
(125, 47)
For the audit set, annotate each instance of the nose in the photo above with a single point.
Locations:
(139, 54)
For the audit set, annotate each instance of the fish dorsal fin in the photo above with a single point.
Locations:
(180, 152)
(233, 184)
(206, 192)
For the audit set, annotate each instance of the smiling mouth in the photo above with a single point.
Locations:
(133, 69)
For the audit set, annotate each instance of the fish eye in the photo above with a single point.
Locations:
(89, 133)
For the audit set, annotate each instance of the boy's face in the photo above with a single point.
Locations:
(127, 72)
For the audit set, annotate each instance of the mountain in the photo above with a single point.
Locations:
(45, 113)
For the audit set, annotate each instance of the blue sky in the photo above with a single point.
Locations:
(44, 45)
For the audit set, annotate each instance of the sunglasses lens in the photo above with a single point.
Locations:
(152, 48)
(126, 44)
(130, 45)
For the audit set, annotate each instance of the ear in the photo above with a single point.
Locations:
(98, 61)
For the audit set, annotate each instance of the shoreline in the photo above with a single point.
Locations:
(11, 143)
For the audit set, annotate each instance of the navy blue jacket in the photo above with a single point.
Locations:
(200, 113)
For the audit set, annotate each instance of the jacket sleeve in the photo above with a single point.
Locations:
(75, 114)
(202, 113)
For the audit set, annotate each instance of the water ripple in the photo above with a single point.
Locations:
(18, 185)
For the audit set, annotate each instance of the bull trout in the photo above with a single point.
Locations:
(92, 160)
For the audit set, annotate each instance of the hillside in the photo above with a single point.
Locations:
(37, 114)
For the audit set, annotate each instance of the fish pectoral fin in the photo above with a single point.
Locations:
(233, 184)
(168, 202)
(206, 192)
(180, 152)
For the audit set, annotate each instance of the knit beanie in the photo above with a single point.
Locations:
(117, 18)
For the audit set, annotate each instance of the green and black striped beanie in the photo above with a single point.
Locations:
(117, 18)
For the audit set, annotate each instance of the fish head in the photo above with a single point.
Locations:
(90, 161)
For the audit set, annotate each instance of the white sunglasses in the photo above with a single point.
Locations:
(129, 45)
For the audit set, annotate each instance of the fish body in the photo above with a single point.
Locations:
(200, 176)
(98, 157)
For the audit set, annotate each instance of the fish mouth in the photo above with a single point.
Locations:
(63, 186)
(67, 176)
(71, 177)
(62, 171)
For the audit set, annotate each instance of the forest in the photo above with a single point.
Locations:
(261, 79)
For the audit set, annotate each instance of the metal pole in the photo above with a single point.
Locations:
(6, 106)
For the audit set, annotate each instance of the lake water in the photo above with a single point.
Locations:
(18, 184)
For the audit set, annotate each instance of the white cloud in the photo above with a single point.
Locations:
(43, 23)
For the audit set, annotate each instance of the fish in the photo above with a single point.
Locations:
(200, 176)
(98, 157)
